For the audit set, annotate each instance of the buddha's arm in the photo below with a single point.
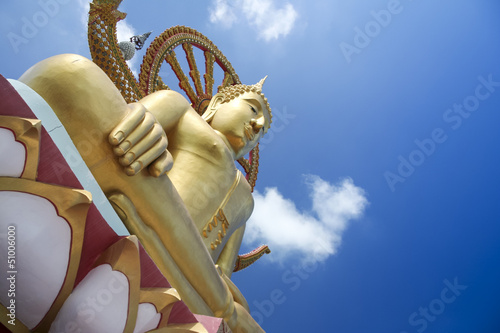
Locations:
(229, 254)
(167, 106)
(227, 261)
(237, 295)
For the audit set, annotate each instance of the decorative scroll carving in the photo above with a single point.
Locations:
(248, 259)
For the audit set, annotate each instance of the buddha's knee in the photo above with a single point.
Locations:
(79, 92)
(58, 69)
(72, 77)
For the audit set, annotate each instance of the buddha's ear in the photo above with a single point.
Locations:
(214, 104)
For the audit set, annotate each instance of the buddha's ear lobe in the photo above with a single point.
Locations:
(214, 104)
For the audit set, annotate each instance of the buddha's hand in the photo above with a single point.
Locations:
(139, 141)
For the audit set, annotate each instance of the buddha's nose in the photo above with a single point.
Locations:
(257, 124)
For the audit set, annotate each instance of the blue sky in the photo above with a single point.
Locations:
(384, 153)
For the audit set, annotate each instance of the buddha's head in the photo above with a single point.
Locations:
(241, 115)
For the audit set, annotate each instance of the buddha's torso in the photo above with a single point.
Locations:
(214, 191)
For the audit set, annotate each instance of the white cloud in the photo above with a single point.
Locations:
(310, 236)
(270, 21)
(124, 31)
(222, 13)
(84, 7)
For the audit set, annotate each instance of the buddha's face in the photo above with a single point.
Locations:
(242, 121)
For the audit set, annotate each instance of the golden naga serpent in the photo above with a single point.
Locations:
(103, 43)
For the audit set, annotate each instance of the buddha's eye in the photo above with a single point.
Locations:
(253, 109)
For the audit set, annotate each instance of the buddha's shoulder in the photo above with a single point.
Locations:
(169, 99)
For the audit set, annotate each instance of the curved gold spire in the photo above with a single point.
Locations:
(259, 84)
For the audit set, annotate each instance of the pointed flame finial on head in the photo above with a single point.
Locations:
(260, 84)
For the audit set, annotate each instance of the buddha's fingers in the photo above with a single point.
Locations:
(133, 118)
(149, 156)
(147, 142)
(161, 165)
(137, 135)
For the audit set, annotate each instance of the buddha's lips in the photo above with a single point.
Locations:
(249, 133)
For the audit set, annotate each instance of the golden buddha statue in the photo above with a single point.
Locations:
(168, 172)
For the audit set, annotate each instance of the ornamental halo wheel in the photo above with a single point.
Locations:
(106, 53)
